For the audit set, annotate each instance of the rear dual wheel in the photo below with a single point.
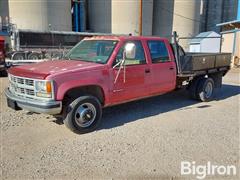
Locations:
(206, 89)
(192, 88)
(202, 89)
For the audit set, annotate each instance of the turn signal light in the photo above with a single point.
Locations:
(49, 87)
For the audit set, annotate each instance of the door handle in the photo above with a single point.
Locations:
(147, 70)
(171, 68)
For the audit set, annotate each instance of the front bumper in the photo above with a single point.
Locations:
(46, 107)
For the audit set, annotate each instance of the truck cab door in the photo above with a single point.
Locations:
(163, 68)
(131, 84)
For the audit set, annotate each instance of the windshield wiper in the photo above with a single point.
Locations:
(75, 58)
(82, 59)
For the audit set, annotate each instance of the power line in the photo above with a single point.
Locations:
(171, 12)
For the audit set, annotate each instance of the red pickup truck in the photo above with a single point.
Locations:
(108, 70)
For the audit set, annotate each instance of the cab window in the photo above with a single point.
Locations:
(137, 60)
(158, 51)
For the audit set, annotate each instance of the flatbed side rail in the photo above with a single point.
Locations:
(204, 72)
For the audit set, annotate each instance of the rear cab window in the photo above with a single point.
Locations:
(158, 51)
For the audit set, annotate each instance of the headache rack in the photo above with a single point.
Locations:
(193, 64)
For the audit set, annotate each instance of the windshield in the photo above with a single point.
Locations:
(97, 51)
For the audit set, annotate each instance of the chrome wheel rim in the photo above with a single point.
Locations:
(208, 89)
(85, 115)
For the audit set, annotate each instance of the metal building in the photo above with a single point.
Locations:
(204, 43)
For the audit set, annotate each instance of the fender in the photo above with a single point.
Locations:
(64, 87)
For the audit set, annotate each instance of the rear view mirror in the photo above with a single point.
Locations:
(130, 50)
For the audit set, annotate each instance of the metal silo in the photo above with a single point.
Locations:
(59, 15)
(125, 17)
(163, 13)
(182, 16)
(38, 14)
(186, 17)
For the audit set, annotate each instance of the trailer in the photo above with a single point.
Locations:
(35, 45)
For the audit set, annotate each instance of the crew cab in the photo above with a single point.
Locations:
(108, 70)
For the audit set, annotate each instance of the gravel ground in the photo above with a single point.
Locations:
(146, 139)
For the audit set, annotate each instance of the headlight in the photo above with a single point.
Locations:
(43, 88)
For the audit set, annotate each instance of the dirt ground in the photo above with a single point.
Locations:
(145, 139)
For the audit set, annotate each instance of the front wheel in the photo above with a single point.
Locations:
(205, 90)
(83, 114)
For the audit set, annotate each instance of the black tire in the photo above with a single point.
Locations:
(3, 73)
(205, 90)
(192, 88)
(33, 56)
(18, 56)
(75, 122)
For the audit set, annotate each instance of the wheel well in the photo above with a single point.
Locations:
(93, 90)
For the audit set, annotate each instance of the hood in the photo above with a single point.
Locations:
(43, 69)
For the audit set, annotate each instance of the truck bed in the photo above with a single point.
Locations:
(195, 63)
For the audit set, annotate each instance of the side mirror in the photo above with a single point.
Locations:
(130, 50)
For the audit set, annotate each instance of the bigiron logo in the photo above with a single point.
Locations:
(209, 169)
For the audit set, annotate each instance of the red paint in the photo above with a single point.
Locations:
(68, 74)
(43, 69)
(2, 52)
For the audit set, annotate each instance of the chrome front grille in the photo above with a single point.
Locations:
(29, 82)
(22, 86)
(30, 92)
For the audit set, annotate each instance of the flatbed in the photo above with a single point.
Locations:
(195, 65)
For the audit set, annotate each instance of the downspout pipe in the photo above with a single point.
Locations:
(238, 14)
(140, 17)
(76, 16)
(234, 43)
(82, 13)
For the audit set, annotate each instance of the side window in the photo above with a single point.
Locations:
(158, 51)
(139, 57)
